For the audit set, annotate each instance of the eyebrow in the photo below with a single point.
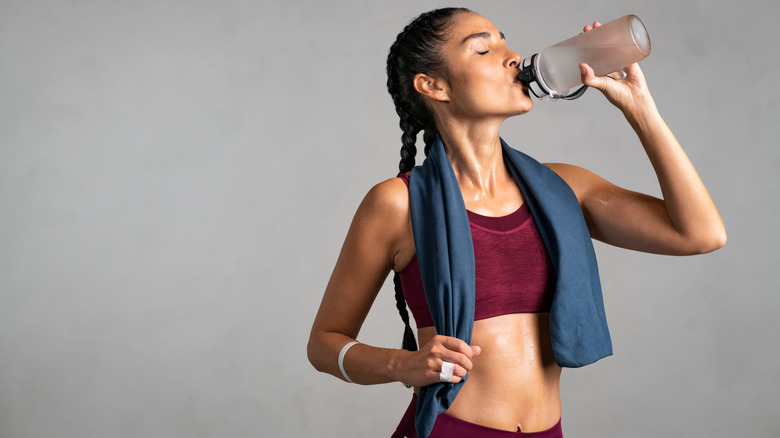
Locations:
(485, 35)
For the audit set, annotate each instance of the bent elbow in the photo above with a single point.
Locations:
(721, 240)
(712, 242)
(311, 353)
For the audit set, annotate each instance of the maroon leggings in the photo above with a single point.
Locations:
(448, 426)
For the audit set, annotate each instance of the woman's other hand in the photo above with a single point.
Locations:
(423, 367)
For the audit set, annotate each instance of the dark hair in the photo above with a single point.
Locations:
(417, 49)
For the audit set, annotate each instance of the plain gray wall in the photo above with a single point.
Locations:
(177, 177)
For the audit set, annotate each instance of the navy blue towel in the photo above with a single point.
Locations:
(442, 237)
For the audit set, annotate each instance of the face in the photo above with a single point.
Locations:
(482, 71)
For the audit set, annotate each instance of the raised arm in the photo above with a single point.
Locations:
(380, 236)
(685, 221)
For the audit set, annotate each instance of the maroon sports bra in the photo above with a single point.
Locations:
(513, 271)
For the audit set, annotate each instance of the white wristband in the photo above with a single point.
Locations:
(341, 360)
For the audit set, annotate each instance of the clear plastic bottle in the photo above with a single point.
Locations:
(607, 48)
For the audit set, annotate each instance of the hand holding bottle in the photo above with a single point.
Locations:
(627, 92)
(554, 71)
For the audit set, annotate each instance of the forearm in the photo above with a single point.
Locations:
(364, 364)
(686, 199)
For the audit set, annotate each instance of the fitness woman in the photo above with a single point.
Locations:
(453, 78)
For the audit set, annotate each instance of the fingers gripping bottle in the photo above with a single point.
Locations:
(608, 48)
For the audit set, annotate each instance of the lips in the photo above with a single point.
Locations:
(522, 84)
(517, 81)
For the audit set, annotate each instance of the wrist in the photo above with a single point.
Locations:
(395, 365)
(642, 113)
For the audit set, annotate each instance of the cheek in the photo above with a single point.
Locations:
(475, 83)
(481, 77)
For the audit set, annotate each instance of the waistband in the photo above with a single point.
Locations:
(447, 426)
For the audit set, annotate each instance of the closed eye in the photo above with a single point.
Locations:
(483, 53)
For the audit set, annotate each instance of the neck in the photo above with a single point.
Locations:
(476, 155)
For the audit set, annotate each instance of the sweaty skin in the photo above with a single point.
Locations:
(514, 384)
(513, 379)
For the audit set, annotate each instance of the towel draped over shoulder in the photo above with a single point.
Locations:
(442, 238)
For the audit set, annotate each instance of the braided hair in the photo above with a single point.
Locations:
(417, 49)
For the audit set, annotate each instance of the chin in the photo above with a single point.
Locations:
(524, 103)
(526, 107)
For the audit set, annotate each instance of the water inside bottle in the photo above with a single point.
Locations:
(559, 65)
(607, 49)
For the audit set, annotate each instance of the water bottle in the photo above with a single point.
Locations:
(607, 49)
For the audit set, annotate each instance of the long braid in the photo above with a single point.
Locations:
(409, 342)
(429, 137)
(408, 143)
(416, 50)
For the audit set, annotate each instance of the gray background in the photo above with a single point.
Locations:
(177, 177)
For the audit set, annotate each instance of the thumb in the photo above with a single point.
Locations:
(475, 350)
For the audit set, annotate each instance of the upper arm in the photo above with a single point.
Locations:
(623, 217)
(376, 235)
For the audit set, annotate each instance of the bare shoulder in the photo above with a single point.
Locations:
(384, 219)
(384, 210)
(389, 198)
(581, 180)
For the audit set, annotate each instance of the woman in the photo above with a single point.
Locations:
(451, 75)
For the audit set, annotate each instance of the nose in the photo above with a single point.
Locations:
(512, 59)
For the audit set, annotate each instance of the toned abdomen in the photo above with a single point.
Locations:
(515, 380)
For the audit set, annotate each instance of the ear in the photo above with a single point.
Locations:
(434, 88)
